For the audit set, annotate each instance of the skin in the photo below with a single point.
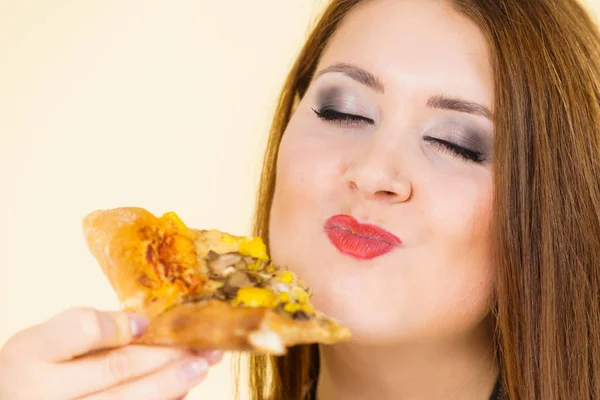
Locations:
(85, 354)
(419, 314)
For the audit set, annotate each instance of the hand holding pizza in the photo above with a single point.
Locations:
(185, 295)
(83, 353)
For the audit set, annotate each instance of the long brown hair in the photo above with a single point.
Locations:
(546, 60)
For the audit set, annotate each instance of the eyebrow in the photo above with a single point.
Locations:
(358, 74)
(454, 104)
(440, 101)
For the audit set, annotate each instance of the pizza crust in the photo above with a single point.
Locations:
(215, 324)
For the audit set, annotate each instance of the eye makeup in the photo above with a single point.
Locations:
(460, 139)
(455, 136)
(339, 105)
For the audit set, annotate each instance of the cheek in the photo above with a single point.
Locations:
(308, 162)
(458, 212)
(298, 176)
(308, 168)
(458, 207)
(460, 275)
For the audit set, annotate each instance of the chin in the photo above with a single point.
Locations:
(370, 322)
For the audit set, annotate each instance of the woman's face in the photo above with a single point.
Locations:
(384, 178)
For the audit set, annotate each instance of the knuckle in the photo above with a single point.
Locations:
(164, 388)
(118, 366)
(169, 384)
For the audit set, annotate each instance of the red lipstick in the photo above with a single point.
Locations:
(362, 241)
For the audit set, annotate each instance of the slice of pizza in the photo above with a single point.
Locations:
(204, 289)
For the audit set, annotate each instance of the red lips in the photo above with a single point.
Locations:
(362, 241)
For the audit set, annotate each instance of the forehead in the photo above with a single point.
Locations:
(415, 47)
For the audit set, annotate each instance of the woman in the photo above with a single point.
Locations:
(459, 140)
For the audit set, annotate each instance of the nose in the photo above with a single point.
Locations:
(377, 176)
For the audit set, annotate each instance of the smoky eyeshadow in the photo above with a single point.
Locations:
(454, 129)
(468, 137)
(339, 99)
(327, 97)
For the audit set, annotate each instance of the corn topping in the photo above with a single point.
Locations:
(306, 308)
(255, 297)
(255, 265)
(291, 307)
(286, 277)
(253, 247)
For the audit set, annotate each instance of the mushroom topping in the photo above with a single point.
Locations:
(241, 265)
(212, 255)
(235, 281)
(218, 264)
(228, 271)
(300, 315)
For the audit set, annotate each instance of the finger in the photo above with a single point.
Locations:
(75, 332)
(213, 357)
(168, 383)
(102, 370)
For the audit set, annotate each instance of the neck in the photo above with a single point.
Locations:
(462, 368)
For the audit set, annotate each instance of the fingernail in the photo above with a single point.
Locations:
(214, 356)
(194, 369)
(137, 324)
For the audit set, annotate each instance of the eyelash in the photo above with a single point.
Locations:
(456, 150)
(331, 115)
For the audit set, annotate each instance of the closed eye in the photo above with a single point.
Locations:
(331, 115)
(456, 150)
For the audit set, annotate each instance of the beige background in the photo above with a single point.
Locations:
(109, 103)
